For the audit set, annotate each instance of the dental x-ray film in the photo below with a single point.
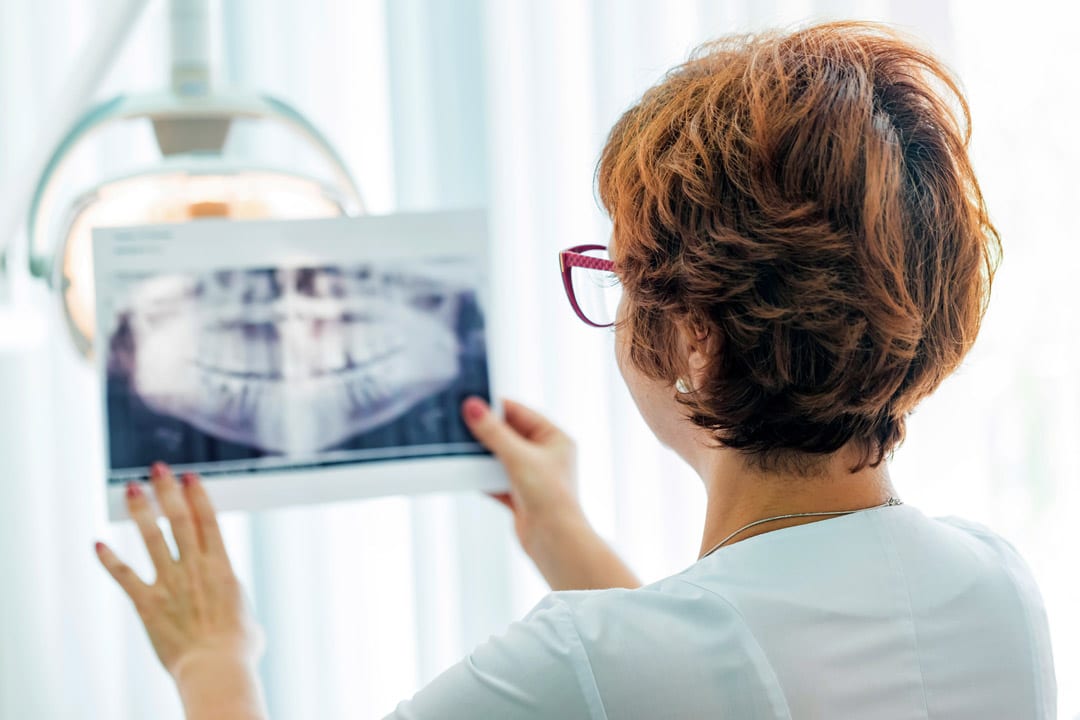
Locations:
(295, 361)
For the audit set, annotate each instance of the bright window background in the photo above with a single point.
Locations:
(436, 103)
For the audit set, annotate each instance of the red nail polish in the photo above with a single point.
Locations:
(187, 479)
(158, 469)
(99, 546)
(133, 490)
(475, 408)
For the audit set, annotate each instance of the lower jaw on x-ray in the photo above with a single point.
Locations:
(291, 362)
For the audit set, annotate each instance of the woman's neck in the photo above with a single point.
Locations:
(740, 493)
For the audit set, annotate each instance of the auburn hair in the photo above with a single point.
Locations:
(808, 197)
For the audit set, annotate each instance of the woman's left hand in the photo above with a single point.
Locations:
(195, 611)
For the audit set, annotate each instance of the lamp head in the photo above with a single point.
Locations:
(174, 159)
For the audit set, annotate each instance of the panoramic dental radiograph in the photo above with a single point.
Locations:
(299, 362)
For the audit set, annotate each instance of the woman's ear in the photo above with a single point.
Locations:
(702, 345)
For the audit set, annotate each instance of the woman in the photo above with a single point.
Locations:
(805, 255)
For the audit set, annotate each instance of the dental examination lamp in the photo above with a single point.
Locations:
(189, 153)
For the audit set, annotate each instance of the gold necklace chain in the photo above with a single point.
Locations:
(888, 503)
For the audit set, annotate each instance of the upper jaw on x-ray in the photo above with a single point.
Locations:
(291, 361)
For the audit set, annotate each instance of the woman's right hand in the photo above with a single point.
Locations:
(540, 462)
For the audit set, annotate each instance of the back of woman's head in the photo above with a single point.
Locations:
(808, 198)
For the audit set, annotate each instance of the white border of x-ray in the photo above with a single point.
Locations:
(212, 244)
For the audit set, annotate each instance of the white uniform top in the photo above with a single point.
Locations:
(883, 614)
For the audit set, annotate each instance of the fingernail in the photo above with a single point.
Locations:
(99, 546)
(474, 409)
(158, 469)
(133, 490)
(187, 479)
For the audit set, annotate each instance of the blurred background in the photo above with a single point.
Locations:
(450, 103)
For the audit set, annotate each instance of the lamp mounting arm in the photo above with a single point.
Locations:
(189, 38)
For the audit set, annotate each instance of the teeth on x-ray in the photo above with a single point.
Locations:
(364, 392)
(293, 361)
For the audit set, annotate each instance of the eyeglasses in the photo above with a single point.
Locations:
(592, 287)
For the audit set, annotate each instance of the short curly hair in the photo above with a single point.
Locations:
(808, 196)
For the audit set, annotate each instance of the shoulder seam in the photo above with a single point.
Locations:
(1022, 600)
(1001, 547)
(582, 669)
(778, 697)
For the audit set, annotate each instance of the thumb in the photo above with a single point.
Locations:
(490, 430)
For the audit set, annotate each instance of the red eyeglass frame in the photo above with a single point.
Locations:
(574, 257)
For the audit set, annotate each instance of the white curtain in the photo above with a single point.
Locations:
(438, 103)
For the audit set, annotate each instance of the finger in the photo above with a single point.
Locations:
(140, 511)
(529, 422)
(503, 498)
(202, 510)
(490, 430)
(125, 577)
(175, 508)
